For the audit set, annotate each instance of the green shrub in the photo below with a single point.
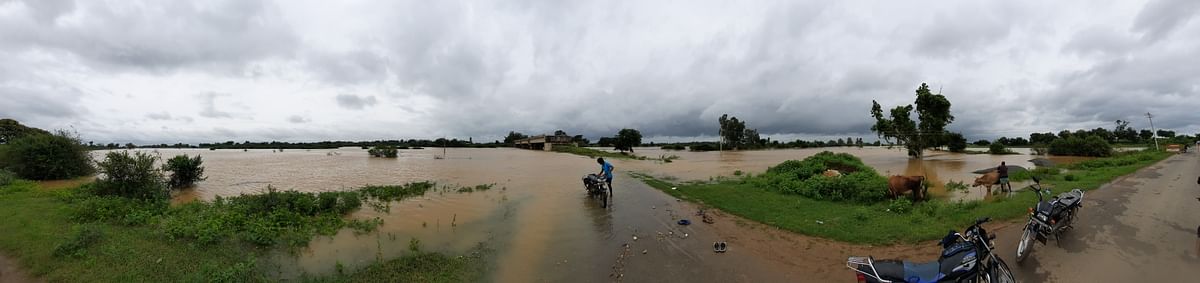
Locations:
(185, 171)
(116, 210)
(1070, 177)
(131, 176)
(858, 183)
(1089, 146)
(997, 148)
(703, 147)
(956, 186)
(386, 151)
(47, 157)
(77, 244)
(900, 206)
(7, 177)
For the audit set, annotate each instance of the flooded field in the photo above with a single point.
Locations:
(536, 220)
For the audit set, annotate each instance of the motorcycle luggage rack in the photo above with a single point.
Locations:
(857, 260)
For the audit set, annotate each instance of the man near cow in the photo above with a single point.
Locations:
(1003, 171)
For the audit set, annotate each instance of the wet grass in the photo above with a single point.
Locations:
(888, 222)
(115, 240)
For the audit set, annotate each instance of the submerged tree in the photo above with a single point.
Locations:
(933, 114)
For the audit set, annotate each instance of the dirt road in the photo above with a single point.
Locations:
(1140, 228)
(11, 273)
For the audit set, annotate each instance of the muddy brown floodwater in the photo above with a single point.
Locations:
(537, 219)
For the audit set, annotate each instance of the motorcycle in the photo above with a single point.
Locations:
(1049, 218)
(966, 257)
(596, 187)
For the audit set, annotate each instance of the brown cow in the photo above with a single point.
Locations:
(898, 185)
(987, 180)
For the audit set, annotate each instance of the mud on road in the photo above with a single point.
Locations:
(1139, 228)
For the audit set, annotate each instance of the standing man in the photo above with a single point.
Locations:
(606, 172)
(1003, 170)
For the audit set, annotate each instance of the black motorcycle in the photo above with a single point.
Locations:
(596, 187)
(965, 257)
(1050, 218)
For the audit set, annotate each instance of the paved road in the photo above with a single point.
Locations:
(1141, 228)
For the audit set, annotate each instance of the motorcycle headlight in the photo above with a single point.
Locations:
(1042, 217)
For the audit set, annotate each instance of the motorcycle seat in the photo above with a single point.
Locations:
(1070, 198)
(904, 271)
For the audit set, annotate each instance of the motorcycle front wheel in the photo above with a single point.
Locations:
(1000, 273)
(1026, 244)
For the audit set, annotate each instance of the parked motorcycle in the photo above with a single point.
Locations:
(966, 257)
(596, 187)
(1050, 218)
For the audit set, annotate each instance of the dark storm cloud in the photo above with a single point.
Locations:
(151, 35)
(354, 102)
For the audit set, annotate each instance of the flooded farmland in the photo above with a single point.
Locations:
(536, 220)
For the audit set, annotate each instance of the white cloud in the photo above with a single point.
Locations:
(140, 71)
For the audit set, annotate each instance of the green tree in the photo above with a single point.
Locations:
(47, 157)
(513, 137)
(185, 171)
(11, 129)
(131, 176)
(732, 130)
(626, 139)
(933, 114)
(955, 142)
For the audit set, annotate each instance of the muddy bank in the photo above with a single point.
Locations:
(10, 272)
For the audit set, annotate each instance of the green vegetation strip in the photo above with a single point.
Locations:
(592, 153)
(74, 236)
(889, 222)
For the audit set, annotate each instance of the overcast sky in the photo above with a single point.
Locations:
(169, 71)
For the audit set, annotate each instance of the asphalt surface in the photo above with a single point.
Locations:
(1140, 228)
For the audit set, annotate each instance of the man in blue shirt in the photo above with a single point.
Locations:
(606, 173)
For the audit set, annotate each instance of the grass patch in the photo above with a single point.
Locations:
(70, 236)
(421, 267)
(592, 153)
(886, 222)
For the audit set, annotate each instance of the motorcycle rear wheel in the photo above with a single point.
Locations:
(1025, 245)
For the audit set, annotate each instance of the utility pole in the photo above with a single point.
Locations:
(1152, 130)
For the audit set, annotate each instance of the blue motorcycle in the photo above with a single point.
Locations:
(966, 257)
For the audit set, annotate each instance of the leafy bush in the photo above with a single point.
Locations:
(84, 237)
(1089, 146)
(900, 206)
(7, 177)
(1070, 177)
(859, 182)
(998, 148)
(703, 147)
(185, 171)
(131, 176)
(116, 210)
(47, 157)
(386, 151)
